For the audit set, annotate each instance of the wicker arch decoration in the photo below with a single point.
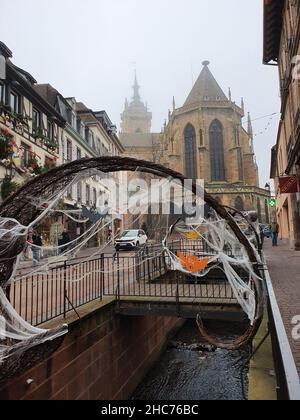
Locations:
(22, 207)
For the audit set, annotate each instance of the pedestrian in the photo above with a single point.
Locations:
(36, 248)
(65, 240)
(275, 232)
(262, 235)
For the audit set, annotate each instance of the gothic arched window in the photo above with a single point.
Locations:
(259, 210)
(239, 204)
(216, 141)
(190, 152)
(267, 212)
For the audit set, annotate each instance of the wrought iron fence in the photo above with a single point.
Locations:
(46, 295)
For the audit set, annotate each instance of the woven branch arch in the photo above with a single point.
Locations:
(21, 207)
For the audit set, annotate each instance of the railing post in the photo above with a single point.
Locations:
(177, 294)
(118, 268)
(148, 264)
(102, 291)
(65, 289)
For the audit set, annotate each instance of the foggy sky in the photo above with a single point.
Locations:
(88, 49)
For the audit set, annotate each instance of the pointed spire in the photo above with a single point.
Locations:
(229, 94)
(174, 104)
(243, 105)
(136, 89)
(250, 132)
(206, 88)
(250, 129)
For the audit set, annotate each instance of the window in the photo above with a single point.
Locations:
(36, 119)
(201, 137)
(73, 120)
(26, 155)
(240, 165)
(267, 212)
(78, 153)
(79, 192)
(259, 210)
(217, 161)
(95, 197)
(78, 126)
(88, 195)
(239, 204)
(190, 152)
(68, 150)
(15, 102)
(237, 136)
(2, 93)
(50, 130)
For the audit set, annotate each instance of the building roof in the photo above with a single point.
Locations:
(273, 19)
(48, 92)
(206, 88)
(139, 140)
(273, 162)
(4, 50)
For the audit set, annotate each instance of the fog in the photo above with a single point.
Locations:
(89, 49)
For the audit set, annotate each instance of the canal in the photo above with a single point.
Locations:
(191, 370)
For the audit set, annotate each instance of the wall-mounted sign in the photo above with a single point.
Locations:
(272, 202)
(288, 184)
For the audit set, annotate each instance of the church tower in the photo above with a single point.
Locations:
(136, 119)
(205, 139)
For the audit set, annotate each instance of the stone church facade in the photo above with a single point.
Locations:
(203, 139)
(136, 135)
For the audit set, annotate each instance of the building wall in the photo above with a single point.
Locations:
(25, 137)
(201, 121)
(104, 357)
(236, 140)
(287, 157)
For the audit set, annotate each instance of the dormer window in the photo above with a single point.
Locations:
(50, 130)
(36, 119)
(2, 93)
(15, 102)
(73, 120)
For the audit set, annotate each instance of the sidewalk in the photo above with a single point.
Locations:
(284, 267)
(27, 265)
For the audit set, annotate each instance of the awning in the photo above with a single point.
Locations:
(273, 10)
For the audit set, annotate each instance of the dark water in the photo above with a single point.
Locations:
(186, 374)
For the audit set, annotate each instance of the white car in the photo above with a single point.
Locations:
(131, 239)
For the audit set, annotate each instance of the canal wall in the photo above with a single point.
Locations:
(103, 357)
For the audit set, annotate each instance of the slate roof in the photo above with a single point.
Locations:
(206, 88)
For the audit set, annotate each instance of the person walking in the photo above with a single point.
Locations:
(36, 248)
(65, 240)
(275, 232)
(262, 236)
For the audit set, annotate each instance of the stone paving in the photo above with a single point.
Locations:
(284, 267)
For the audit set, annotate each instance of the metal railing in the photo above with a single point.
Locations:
(44, 296)
(288, 382)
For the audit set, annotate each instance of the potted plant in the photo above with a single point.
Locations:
(50, 144)
(50, 162)
(8, 187)
(34, 166)
(6, 147)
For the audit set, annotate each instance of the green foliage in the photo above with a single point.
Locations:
(8, 187)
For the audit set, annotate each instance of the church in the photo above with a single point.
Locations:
(203, 139)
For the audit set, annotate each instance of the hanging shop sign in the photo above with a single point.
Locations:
(288, 184)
